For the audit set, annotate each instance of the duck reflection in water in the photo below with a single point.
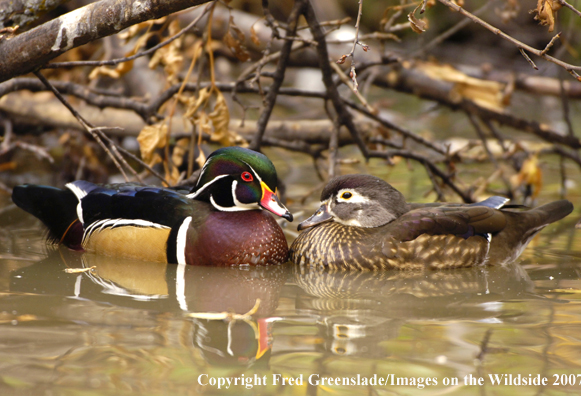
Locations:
(356, 311)
(146, 292)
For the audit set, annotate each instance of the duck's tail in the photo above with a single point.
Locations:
(521, 227)
(56, 208)
(552, 212)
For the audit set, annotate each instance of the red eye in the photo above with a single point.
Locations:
(247, 177)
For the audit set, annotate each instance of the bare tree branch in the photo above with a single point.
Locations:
(22, 12)
(32, 49)
(270, 100)
(520, 45)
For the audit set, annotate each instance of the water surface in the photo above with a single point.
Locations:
(125, 328)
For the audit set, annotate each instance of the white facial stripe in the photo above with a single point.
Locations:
(181, 240)
(202, 172)
(355, 196)
(234, 208)
(195, 194)
(239, 204)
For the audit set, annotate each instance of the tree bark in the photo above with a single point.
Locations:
(22, 12)
(30, 50)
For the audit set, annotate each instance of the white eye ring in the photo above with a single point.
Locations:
(351, 196)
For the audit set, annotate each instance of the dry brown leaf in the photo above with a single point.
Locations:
(179, 150)
(220, 118)
(103, 71)
(236, 46)
(124, 67)
(545, 11)
(151, 138)
(485, 93)
(170, 56)
(530, 175)
(254, 36)
(418, 25)
(132, 31)
(194, 103)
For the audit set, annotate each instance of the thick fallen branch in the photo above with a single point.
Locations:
(22, 12)
(415, 81)
(30, 50)
(36, 110)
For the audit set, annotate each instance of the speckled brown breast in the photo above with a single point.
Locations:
(237, 238)
(332, 245)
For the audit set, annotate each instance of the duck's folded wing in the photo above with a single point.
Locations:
(129, 202)
(465, 221)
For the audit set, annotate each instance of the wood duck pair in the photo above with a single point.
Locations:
(364, 223)
(220, 222)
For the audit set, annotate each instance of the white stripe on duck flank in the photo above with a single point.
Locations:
(113, 223)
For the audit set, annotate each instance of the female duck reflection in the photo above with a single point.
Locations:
(358, 310)
(129, 284)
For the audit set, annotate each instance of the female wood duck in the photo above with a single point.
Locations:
(364, 223)
(220, 222)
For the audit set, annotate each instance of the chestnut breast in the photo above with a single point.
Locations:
(236, 238)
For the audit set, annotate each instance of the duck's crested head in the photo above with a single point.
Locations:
(359, 201)
(237, 179)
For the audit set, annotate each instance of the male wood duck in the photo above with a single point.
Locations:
(365, 223)
(220, 222)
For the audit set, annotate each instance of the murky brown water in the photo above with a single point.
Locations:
(124, 328)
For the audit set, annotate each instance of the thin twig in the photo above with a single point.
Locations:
(278, 75)
(548, 47)
(522, 46)
(528, 59)
(482, 137)
(97, 133)
(447, 179)
(569, 6)
(453, 30)
(351, 54)
(343, 114)
(84, 123)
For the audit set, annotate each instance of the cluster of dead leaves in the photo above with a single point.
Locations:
(215, 123)
(546, 11)
(155, 138)
(169, 56)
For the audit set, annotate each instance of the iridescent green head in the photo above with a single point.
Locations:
(237, 179)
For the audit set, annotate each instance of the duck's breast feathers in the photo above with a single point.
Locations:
(463, 221)
(128, 202)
